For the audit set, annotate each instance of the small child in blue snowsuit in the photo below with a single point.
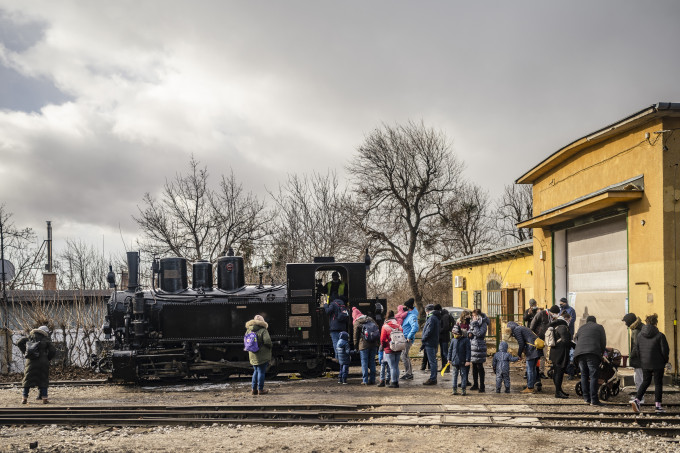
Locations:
(460, 351)
(501, 366)
(342, 352)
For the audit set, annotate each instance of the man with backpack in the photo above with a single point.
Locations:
(38, 350)
(539, 325)
(430, 341)
(366, 340)
(337, 317)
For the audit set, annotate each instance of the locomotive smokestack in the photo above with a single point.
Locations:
(49, 246)
(133, 269)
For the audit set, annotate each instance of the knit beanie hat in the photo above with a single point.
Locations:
(410, 303)
(44, 329)
(258, 318)
(356, 314)
(629, 319)
(555, 309)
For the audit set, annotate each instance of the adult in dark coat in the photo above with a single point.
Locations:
(37, 369)
(634, 323)
(526, 339)
(591, 342)
(430, 341)
(445, 326)
(559, 354)
(530, 312)
(539, 325)
(338, 318)
(478, 329)
(652, 348)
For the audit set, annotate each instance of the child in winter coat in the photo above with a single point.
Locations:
(501, 366)
(342, 351)
(459, 358)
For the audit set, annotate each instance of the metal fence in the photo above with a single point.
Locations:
(498, 321)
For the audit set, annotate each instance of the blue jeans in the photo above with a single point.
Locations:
(533, 377)
(42, 390)
(258, 376)
(393, 363)
(432, 358)
(384, 367)
(368, 364)
(590, 367)
(335, 336)
(463, 371)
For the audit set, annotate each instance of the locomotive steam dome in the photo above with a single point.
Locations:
(202, 275)
(230, 274)
(173, 274)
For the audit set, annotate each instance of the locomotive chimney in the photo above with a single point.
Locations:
(133, 269)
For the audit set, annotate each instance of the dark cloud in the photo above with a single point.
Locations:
(273, 88)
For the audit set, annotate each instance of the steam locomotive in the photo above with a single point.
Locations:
(176, 331)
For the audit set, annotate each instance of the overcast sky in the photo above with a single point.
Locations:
(100, 100)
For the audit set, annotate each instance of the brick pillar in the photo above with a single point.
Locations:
(49, 281)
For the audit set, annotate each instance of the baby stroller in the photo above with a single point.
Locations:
(608, 377)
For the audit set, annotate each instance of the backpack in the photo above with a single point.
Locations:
(343, 314)
(250, 342)
(32, 349)
(397, 340)
(371, 332)
(550, 337)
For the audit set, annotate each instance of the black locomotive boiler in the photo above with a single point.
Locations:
(174, 331)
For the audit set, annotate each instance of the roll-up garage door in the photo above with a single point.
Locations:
(597, 276)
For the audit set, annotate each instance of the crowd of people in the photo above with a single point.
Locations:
(546, 333)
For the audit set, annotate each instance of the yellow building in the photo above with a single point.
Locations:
(605, 223)
(498, 281)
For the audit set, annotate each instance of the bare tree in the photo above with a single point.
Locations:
(81, 266)
(467, 222)
(513, 207)
(22, 251)
(403, 177)
(311, 220)
(191, 220)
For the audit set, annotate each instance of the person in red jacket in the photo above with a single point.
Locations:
(391, 357)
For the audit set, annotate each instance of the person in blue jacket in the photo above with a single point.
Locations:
(430, 341)
(410, 327)
(342, 351)
(526, 340)
(459, 358)
(501, 366)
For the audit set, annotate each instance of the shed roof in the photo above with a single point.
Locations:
(643, 116)
(524, 248)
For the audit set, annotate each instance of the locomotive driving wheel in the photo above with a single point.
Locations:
(314, 368)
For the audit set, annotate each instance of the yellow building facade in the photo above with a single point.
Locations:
(606, 224)
(500, 282)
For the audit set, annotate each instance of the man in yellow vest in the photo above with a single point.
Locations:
(334, 288)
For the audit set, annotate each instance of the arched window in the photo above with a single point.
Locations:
(493, 298)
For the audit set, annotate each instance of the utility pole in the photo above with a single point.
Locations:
(5, 319)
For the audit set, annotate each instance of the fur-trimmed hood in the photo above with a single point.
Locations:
(636, 324)
(256, 323)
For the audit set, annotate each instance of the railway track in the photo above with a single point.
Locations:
(521, 416)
